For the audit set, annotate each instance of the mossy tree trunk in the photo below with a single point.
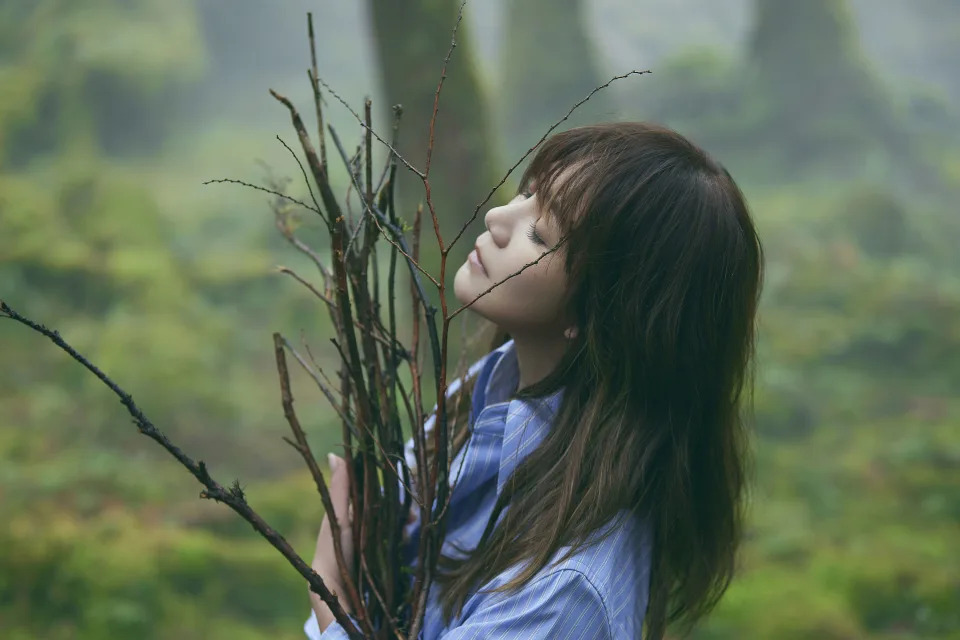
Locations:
(412, 39)
(941, 28)
(819, 90)
(548, 64)
(72, 88)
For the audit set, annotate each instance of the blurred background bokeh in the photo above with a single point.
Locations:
(839, 118)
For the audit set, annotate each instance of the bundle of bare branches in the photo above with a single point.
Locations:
(371, 400)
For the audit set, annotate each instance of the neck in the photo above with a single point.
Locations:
(537, 356)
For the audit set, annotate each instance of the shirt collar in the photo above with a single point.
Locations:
(527, 420)
(527, 423)
(505, 377)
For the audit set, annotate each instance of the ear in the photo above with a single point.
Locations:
(570, 332)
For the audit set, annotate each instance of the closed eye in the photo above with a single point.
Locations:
(534, 236)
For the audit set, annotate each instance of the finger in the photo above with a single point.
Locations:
(340, 497)
(339, 488)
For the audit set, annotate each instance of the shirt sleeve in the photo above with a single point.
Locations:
(333, 631)
(563, 605)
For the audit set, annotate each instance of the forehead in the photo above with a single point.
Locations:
(561, 190)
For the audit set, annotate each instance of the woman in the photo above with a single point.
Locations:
(601, 494)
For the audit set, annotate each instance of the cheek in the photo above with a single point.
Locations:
(534, 295)
(531, 298)
(542, 285)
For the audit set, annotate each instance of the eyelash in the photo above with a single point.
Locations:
(532, 233)
(534, 236)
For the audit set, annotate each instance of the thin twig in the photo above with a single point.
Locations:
(303, 447)
(325, 390)
(293, 274)
(313, 361)
(330, 302)
(264, 189)
(411, 260)
(433, 121)
(301, 246)
(233, 497)
(394, 624)
(281, 218)
(368, 153)
(436, 95)
(372, 131)
(306, 180)
(512, 275)
(390, 164)
(556, 124)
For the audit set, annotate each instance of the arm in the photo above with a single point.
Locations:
(333, 631)
(325, 559)
(562, 605)
(320, 625)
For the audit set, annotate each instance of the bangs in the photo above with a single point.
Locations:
(566, 173)
(606, 166)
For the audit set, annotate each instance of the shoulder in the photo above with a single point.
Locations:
(606, 583)
(616, 561)
(560, 602)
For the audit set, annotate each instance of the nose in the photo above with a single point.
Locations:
(497, 221)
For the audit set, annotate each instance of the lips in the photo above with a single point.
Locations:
(476, 261)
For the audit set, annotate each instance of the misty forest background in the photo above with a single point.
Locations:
(839, 118)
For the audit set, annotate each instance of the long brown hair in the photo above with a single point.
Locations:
(665, 270)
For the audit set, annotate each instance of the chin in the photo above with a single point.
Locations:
(465, 291)
(461, 286)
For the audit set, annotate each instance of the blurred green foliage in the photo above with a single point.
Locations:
(853, 180)
(803, 101)
(171, 294)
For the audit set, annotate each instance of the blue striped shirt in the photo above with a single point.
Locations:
(599, 593)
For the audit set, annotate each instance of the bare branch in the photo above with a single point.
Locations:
(331, 303)
(376, 135)
(433, 121)
(281, 218)
(232, 497)
(286, 398)
(316, 89)
(313, 255)
(390, 164)
(411, 260)
(436, 95)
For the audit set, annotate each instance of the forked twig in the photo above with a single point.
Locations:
(390, 147)
(303, 447)
(232, 497)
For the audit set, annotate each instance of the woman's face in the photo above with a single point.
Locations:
(517, 233)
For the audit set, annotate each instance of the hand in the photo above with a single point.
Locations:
(324, 557)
